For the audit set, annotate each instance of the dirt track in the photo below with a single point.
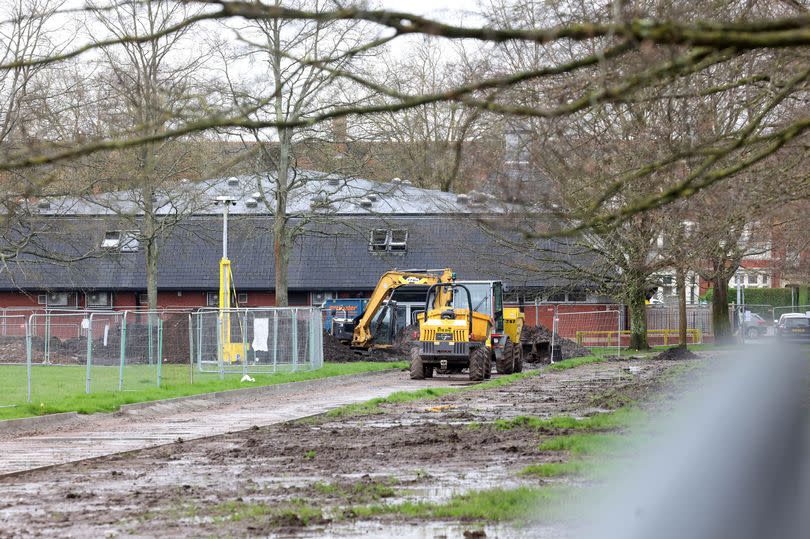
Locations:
(421, 450)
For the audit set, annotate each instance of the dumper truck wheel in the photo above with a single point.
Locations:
(488, 368)
(478, 363)
(417, 369)
(506, 363)
(518, 357)
(428, 369)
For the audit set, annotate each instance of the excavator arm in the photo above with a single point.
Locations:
(390, 281)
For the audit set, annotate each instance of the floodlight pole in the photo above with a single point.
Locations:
(225, 278)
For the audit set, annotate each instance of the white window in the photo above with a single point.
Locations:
(242, 298)
(112, 240)
(98, 299)
(319, 298)
(143, 299)
(123, 241)
(57, 299)
(378, 241)
(212, 299)
(398, 241)
(394, 241)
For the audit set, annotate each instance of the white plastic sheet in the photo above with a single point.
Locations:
(260, 334)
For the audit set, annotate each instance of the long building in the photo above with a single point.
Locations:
(89, 252)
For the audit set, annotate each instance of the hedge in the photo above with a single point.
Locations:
(775, 297)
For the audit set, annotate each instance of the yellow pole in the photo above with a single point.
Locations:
(225, 305)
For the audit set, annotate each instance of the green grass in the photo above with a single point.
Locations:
(620, 418)
(584, 444)
(360, 491)
(574, 362)
(557, 469)
(517, 504)
(58, 388)
(294, 512)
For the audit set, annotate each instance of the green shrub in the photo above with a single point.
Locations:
(775, 297)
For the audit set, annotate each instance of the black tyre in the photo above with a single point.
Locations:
(506, 363)
(488, 368)
(478, 363)
(518, 353)
(417, 368)
(752, 333)
(428, 370)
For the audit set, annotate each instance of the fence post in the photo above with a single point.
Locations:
(275, 339)
(618, 333)
(123, 351)
(28, 353)
(160, 349)
(47, 337)
(89, 353)
(149, 339)
(554, 321)
(244, 341)
(294, 332)
(191, 348)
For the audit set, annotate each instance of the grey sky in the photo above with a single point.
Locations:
(450, 11)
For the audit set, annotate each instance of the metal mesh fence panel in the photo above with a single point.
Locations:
(665, 317)
(258, 340)
(104, 351)
(13, 372)
(141, 340)
(599, 332)
(57, 354)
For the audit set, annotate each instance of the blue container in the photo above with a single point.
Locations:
(341, 308)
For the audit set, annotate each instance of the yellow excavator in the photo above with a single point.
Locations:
(470, 332)
(361, 327)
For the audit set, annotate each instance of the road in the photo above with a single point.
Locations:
(192, 418)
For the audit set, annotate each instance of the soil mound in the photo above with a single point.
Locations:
(675, 353)
(536, 342)
(335, 351)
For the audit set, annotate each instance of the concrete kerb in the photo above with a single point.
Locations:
(30, 423)
(37, 422)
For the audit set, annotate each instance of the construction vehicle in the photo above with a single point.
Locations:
(339, 316)
(377, 324)
(470, 331)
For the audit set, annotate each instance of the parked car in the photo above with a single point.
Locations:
(793, 326)
(755, 325)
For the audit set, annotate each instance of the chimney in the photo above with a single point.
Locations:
(340, 133)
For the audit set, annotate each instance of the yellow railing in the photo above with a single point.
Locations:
(695, 334)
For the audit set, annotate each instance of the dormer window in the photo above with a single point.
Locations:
(122, 241)
(398, 241)
(391, 241)
(378, 241)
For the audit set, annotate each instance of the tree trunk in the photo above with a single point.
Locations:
(281, 244)
(638, 317)
(680, 284)
(720, 319)
(150, 225)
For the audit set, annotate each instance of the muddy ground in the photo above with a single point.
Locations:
(301, 479)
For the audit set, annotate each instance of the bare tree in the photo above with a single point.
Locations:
(147, 83)
(438, 145)
(299, 79)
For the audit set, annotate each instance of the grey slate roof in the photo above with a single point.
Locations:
(331, 255)
(311, 191)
